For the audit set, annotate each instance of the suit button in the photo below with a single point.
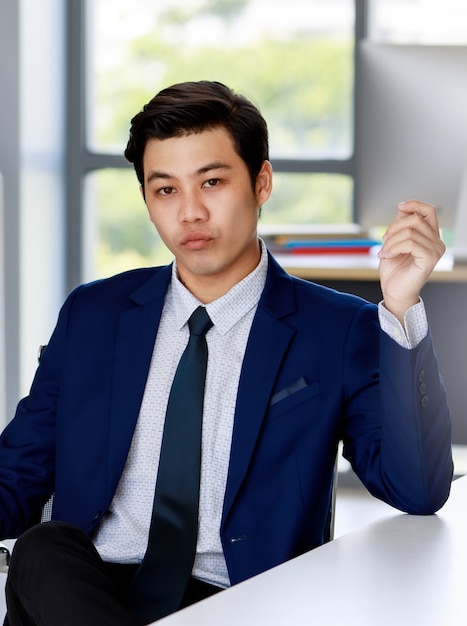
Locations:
(421, 376)
(425, 401)
(423, 389)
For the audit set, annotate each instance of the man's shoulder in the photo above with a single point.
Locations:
(283, 282)
(127, 281)
(140, 284)
(314, 290)
(307, 292)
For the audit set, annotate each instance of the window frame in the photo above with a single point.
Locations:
(80, 161)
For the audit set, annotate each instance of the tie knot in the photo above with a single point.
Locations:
(199, 322)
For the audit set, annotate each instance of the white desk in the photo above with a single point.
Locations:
(401, 570)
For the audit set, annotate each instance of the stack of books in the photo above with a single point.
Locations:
(315, 239)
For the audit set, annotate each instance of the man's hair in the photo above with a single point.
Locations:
(193, 107)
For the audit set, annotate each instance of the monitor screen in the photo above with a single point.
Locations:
(411, 129)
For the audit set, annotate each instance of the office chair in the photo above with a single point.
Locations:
(4, 559)
(46, 511)
(332, 514)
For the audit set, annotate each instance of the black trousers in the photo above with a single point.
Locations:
(57, 578)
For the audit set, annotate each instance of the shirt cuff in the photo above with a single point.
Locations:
(413, 331)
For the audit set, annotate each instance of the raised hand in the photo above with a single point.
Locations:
(411, 248)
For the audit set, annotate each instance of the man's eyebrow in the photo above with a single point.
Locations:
(215, 165)
(209, 167)
(156, 174)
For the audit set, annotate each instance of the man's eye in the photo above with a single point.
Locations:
(212, 182)
(166, 191)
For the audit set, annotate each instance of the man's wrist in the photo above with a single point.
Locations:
(413, 328)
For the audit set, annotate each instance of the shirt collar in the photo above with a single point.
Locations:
(230, 308)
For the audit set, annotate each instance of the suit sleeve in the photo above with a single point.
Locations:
(27, 458)
(402, 450)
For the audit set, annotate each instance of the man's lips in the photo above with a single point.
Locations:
(195, 241)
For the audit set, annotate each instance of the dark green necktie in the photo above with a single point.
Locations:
(161, 580)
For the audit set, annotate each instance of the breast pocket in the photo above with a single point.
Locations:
(292, 396)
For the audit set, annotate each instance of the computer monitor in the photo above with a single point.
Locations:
(412, 132)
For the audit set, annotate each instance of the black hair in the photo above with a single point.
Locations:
(193, 107)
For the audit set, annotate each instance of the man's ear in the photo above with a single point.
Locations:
(263, 185)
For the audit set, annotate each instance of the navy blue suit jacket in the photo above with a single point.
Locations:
(317, 369)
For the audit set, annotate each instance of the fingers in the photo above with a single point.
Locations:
(415, 231)
(423, 209)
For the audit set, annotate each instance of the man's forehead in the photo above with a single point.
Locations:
(198, 151)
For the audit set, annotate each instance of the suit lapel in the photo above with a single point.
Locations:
(137, 330)
(268, 341)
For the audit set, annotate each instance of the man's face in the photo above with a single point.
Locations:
(200, 199)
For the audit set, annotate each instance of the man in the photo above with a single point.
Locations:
(292, 368)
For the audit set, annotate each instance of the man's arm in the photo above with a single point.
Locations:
(413, 467)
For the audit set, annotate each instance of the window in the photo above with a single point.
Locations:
(294, 60)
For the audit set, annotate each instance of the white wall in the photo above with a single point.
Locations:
(2, 312)
(32, 128)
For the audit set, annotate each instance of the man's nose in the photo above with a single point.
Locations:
(192, 207)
